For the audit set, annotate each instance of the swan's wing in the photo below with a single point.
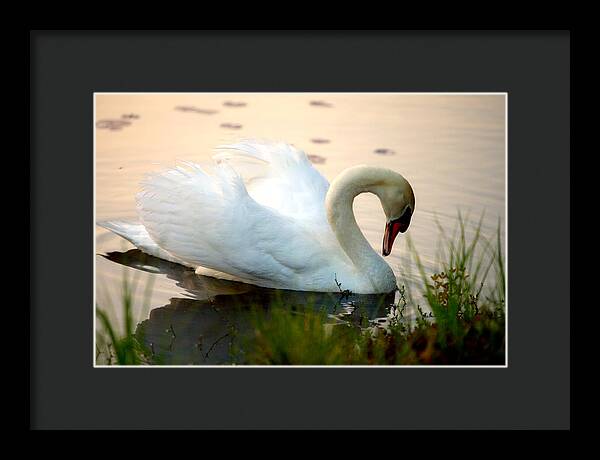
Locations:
(210, 220)
(279, 176)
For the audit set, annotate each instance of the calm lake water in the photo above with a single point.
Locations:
(451, 148)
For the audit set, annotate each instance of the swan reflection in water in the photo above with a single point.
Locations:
(209, 327)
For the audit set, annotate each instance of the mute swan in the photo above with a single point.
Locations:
(267, 217)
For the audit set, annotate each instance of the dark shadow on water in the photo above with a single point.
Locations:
(191, 108)
(113, 125)
(231, 125)
(383, 151)
(321, 104)
(317, 159)
(234, 104)
(209, 326)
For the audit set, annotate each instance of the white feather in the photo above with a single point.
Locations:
(284, 179)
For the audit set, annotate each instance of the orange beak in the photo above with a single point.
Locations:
(392, 228)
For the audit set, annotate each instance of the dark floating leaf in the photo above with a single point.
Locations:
(234, 104)
(191, 108)
(133, 116)
(317, 159)
(231, 125)
(113, 125)
(320, 104)
(384, 152)
(320, 141)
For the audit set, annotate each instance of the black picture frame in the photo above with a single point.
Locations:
(67, 67)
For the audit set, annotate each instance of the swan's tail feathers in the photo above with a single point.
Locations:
(132, 232)
(137, 235)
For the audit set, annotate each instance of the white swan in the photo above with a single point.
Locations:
(265, 216)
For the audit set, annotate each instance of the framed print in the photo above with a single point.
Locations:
(264, 227)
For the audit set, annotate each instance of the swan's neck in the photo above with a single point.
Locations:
(340, 214)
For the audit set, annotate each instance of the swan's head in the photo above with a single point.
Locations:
(394, 192)
(398, 202)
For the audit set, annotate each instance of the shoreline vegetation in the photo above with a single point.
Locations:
(461, 321)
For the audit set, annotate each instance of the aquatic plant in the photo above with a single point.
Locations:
(124, 348)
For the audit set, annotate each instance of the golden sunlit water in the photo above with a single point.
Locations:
(451, 148)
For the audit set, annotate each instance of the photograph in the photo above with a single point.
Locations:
(300, 229)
